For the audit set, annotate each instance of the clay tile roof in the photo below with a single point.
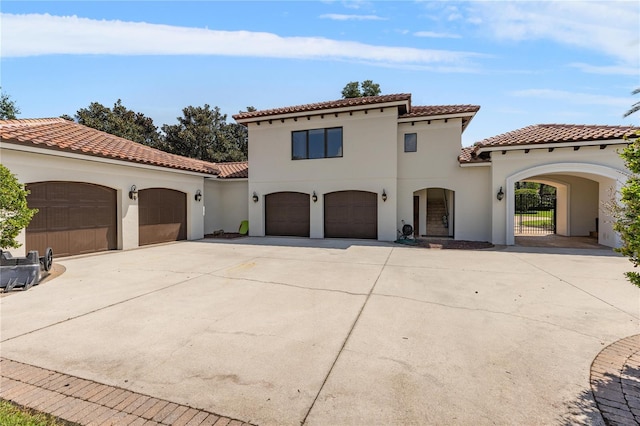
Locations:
(556, 133)
(544, 134)
(233, 170)
(64, 135)
(425, 111)
(340, 103)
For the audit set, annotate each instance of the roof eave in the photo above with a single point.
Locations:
(324, 111)
(546, 145)
(47, 150)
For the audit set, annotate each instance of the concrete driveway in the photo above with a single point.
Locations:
(288, 331)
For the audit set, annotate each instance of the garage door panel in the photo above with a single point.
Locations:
(351, 214)
(287, 214)
(73, 218)
(162, 216)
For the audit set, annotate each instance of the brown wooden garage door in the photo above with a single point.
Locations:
(287, 214)
(351, 214)
(73, 218)
(162, 216)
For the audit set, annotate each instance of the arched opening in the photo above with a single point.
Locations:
(433, 212)
(584, 192)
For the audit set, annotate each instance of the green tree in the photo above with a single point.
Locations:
(15, 215)
(355, 89)
(635, 107)
(121, 121)
(8, 108)
(627, 213)
(203, 133)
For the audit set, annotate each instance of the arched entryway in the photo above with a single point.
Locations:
(583, 193)
(433, 212)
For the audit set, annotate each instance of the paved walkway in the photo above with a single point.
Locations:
(615, 382)
(89, 403)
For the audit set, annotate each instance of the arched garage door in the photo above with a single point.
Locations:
(287, 214)
(73, 218)
(351, 214)
(162, 216)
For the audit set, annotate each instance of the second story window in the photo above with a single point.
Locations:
(410, 142)
(316, 143)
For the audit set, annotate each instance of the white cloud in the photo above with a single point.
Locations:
(609, 27)
(432, 34)
(43, 34)
(572, 97)
(606, 69)
(341, 17)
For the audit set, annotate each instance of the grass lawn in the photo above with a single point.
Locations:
(539, 223)
(12, 415)
(539, 213)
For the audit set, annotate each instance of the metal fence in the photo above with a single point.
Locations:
(535, 214)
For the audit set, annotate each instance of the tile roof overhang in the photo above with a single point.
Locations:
(406, 112)
(401, 101)
(439, 112)
(58, 134)
(235, 170)
(546, 136)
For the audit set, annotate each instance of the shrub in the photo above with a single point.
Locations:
(15, 215)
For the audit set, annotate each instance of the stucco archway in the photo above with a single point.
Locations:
(610, 181)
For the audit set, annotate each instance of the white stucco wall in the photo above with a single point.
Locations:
(586, 172)
(368, 164)
(38, 165)
(435, 165)
(227, 204)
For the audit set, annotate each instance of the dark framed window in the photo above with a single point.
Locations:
(410, 142)
(316, 143)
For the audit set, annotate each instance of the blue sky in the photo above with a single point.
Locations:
(523, 62)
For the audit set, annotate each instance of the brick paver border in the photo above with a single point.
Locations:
(615, 382)
(86, 402)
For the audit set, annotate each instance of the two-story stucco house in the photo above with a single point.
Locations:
(363, 167)
(350, 168)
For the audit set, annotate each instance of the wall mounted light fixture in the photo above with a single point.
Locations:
(314, 197)
(133, 193)
(198, 195)
(255, 197)
(384, 195)
(500, 194)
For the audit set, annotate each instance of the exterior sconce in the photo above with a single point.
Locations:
(314, 197)
(500, 194)
(384, 196)
(133, 193)
(255, 197)
(198, 196)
